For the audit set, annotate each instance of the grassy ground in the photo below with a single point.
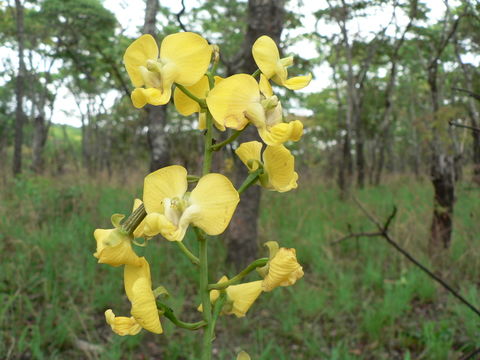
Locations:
(359, 298)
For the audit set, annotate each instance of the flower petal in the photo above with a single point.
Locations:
(144, 307)
(143, 49)
(249, 154)
(229, 100)
(279, 164)
(133, 273)
(243, 296)
(114, 248)
(141, 97)
(216, 199)
(191, 54)
(242, 355)
(156, 223)
(283, 270)
(298, 82)
(282, 132)
(122, 325)
(184, 104)
(168, 182)
(265, 87)
(266, 55)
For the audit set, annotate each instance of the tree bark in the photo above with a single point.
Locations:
(156, 115)
(19, 91)
(265, 17)
(40, 134)
(473, 113)
(442, 170)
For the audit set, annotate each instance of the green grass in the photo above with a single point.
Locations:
(359, 298)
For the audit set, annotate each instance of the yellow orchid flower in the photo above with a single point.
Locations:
(138, 286)
(241, 297)
(170, 208)
(239, 99)
(278, 165)
(187, 106)
(266, 55)
(122, 325)
(114, 246)
(282, 269)
(243, 355)
(183, 58)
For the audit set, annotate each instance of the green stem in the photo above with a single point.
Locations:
(235, 135)
(249, 181)
(168, 313)
(211, 78)
(224, 284)
(205, 296)
(135, 218)
(217, 308)
(256, 73)
(201, 102)
(193, 258)
(193, 178)
(207, 156)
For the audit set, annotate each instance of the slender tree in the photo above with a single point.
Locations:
(156, 115)
(19, 90)
(265, 17)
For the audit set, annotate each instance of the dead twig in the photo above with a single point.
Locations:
(383, 232)
(474, 129)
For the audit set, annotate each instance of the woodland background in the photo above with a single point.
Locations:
(378, 131)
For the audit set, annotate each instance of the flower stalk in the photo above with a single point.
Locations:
(237, 278)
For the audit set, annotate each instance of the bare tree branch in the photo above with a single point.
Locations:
(383, 232)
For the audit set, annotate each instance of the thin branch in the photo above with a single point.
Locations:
(179, 14)
(383, 232)
(471, 355)
(474, 129)
(468, 92)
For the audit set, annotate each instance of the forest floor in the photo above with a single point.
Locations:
(359, 298)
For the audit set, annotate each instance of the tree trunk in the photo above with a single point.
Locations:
(40, 134)
(156, 115)
(443, 179)
(473, 113)
(19, 92)
(265, 17)
(442, 170)
(442, 174)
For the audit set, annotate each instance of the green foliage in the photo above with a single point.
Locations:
(358, 299)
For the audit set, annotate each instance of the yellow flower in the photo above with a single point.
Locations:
(187, 106)
(239, 99)
(278, 165)
(267, 57)
(282, 269)
(242, 355)
(114, 246)
(239, 297)
(138, 286)
(171, 208)
(183, 58)
(242, 296)
(122, 325)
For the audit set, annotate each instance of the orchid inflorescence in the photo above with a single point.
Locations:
(169, 207)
